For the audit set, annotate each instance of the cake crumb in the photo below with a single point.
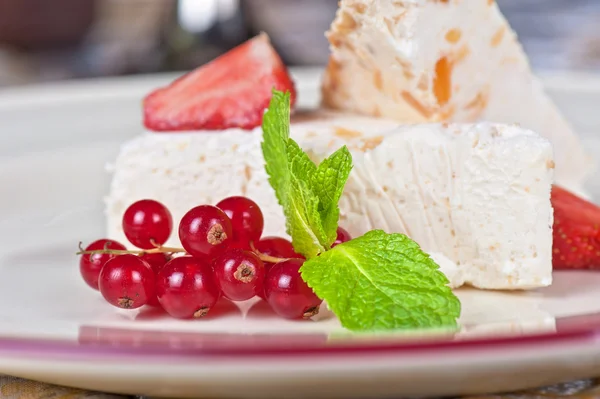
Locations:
(498, 36)
(346, 133)
(372, 143)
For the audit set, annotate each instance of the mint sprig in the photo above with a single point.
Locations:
(308, 194)
(378, 281)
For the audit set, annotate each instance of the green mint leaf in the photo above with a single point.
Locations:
(303, 220)
(276, 132)
(328, 182)
(290, 173)
(300, 164)
(382, 282)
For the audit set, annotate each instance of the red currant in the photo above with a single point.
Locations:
(205, 231)
(127, 282)
(287, 294)
(243, 245)
(239, 274)
(156, 260)
(91, 264)
(186, 287)
(277, 247)
(147, 223)
(342, 237)
(246, 218)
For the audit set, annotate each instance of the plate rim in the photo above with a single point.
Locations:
(574, 333)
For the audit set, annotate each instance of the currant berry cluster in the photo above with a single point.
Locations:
(224, 256)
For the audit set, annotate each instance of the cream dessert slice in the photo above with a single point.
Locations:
(432, 61)
(475, 196)
(184, 170)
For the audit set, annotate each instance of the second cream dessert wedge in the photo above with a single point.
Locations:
(419, 61)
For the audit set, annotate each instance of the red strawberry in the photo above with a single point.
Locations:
(576, 232)
(231, 91)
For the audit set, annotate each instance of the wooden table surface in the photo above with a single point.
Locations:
(15, 388)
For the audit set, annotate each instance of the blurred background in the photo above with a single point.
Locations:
(50, 40)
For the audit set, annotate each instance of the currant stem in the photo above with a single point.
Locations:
(270, 259)
(169, 250)
(265, 257)
(157, 250)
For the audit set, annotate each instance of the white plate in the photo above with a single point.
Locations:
(54, 143)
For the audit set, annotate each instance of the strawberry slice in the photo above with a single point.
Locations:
(231, 91)
(576, 232)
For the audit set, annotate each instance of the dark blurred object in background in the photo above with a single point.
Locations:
(43, 24)
(43, 40)
(557, 34)
(297, 27)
